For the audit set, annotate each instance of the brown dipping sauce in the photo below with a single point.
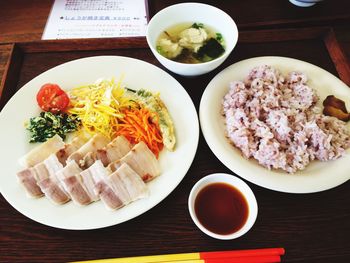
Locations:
(221, 208)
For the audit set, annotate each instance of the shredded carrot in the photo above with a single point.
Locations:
(99, 105)
(141, 125)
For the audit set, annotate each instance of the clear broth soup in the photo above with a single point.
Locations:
(190, 43)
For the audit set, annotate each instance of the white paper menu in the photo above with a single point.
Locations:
(96, 19)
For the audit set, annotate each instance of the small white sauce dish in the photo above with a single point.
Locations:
(234, 182)
(304, 3)
(193, 13)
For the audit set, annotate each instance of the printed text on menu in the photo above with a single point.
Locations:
(96, 19)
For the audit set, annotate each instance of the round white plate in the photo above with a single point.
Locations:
(137, 74)
(317, 176)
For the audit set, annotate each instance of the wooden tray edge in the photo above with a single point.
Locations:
(11, 72)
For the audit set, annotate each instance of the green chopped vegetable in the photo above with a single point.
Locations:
(198, 25)
(160, 50)
(144, 93)
(219, 37)
(47, 124)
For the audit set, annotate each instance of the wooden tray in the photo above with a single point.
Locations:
(312, 228)
(315, 45)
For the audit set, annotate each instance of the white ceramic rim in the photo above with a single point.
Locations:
(302, 3)
(236, 183)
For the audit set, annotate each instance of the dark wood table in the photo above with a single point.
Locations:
(311, 227)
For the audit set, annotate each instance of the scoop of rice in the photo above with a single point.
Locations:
(273, 119)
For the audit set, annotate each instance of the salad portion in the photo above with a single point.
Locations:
(105, 107)
(116, 136)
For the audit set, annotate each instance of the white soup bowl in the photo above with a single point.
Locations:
(210, 16)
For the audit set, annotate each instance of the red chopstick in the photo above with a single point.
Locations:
(265, 255)
(253, 259)
(242, 253)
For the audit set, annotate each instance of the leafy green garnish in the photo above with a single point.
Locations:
(219, 37)
(47, 124)
(144, 93)
(160, 50)
(197, 25)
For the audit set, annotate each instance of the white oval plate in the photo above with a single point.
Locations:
(137, 74)
(317, 176)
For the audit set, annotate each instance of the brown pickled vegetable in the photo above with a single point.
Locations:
(335, 107)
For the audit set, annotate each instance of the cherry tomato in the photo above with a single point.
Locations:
(52, 98)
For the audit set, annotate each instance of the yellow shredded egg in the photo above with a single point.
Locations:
(99, 105)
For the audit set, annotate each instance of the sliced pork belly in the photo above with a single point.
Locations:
(99, 175)
(125, 177)
(72, 168)
(71, 147)
(38, 181)
(113, 151)
(113, 166)
(53, 191)
(108, 196)
(142, 161)
(98, 141)
(48, 182)
(41, 152)
(53, 165)
(118, 187)
(70, 178)
(88, 160)
(76, 190)
(28, 180)
(88, 180)
(41, 172)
